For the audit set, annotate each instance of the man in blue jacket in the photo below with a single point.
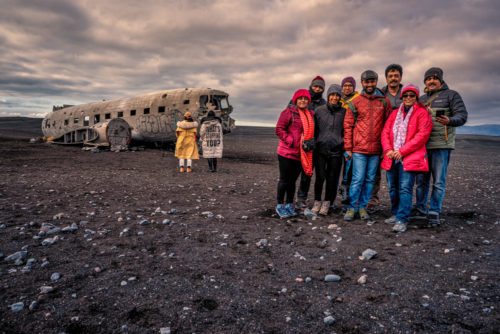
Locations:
(448, 112)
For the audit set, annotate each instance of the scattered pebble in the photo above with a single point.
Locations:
(332, 278)
(329, 320)
(262, 243)
(55, 276)
(165, 330)
(123, 283)
(16, 307)
(362, 279)
(17, 255)
(369, 254)
(474, 278)
(33, 305)
(46, 289)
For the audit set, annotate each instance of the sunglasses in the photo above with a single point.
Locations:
(411, 96)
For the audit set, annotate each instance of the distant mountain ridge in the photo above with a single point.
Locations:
(486, 130)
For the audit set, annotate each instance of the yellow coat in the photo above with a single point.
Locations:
(344, 103)
(186, 147)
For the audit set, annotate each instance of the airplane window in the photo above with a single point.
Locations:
(161, 109)
(107, 116)
(164, 96)
(75, 120)
(120, 114)
(146, 111)
(132, 112)
(186, 101)
(54, 123)
(97, 119)
(203, 100)
(86, 121)
(66, 121)
(224, 103)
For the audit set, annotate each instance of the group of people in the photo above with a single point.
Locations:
(396, 128)
(186, 147)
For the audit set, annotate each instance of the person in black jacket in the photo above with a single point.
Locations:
(329, 135)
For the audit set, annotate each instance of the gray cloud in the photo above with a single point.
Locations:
(56, 52)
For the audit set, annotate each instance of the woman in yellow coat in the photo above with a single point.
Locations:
(186, 148)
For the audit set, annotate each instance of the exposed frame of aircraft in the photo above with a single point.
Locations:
(149, 117)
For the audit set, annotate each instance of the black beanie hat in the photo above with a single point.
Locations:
(434, 72)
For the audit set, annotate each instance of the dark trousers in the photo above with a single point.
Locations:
(289, 172)
(212, 164)
(327, 168)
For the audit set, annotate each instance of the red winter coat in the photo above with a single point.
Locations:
(362, 135)
(413, 150)
(289, 130)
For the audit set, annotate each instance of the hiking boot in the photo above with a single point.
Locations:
(282, 211)
(399, 227)
(363, 214)
(181, 170)
(301, 205)
(349, 215)
(417, 214)
(189, 170)
(316, 207)
(325, 206)
(434, 220)
(391, 220)
(291, 210)
(371, 209)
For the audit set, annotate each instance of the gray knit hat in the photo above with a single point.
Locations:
(434, 72)
(318, 81)
(334, 89)
(369, 74)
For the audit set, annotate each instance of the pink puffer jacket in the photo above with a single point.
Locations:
(413, 151)
(289, 130)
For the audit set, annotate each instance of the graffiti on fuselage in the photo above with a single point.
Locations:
(156, 125)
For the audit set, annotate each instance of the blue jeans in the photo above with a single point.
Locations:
(401, 185)
(438, 168)
(364, 168)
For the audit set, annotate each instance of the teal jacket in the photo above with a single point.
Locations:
(451, 103)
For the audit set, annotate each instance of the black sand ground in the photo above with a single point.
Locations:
(203, 274)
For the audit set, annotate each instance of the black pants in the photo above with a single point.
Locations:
(289, 172)
(212, 164)
(327, 168)
(305, 183)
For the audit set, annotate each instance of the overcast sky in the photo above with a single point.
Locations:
(258, 51)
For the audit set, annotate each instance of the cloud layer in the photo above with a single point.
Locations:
(260, 52)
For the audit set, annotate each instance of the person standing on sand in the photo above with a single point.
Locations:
(448, 112)
(316, 90)
(393, 77)
(186, 148)
(348, 93)
(295, 129)
(329, 150)
(363, 124)
(403, 142)
(211, 139)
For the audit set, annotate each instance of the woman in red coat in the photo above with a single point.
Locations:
(403, 141)
(295, 125)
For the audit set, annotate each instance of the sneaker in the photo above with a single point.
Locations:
(349, 215)
(325, 206)
(189, 170)
(417, 214)
(282, 211)
(399, 227)
(316, 207)
(301, 205)
(181, 170)
(363, 214)
(291, 210)
(391, 220)
(434, 220)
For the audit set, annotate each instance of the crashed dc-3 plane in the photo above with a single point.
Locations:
(149, 117)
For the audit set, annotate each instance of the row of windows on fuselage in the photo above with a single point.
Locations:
(97, 118)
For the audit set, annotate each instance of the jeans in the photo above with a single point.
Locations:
(438, 168)
(289, 172)
(327, 168)
(401, 185)
(364, 168)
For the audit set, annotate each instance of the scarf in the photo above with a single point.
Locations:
(400, 127)
(307, 133)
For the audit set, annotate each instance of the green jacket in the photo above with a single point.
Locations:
(451, 103)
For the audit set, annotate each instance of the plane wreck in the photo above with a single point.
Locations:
(149, 117)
